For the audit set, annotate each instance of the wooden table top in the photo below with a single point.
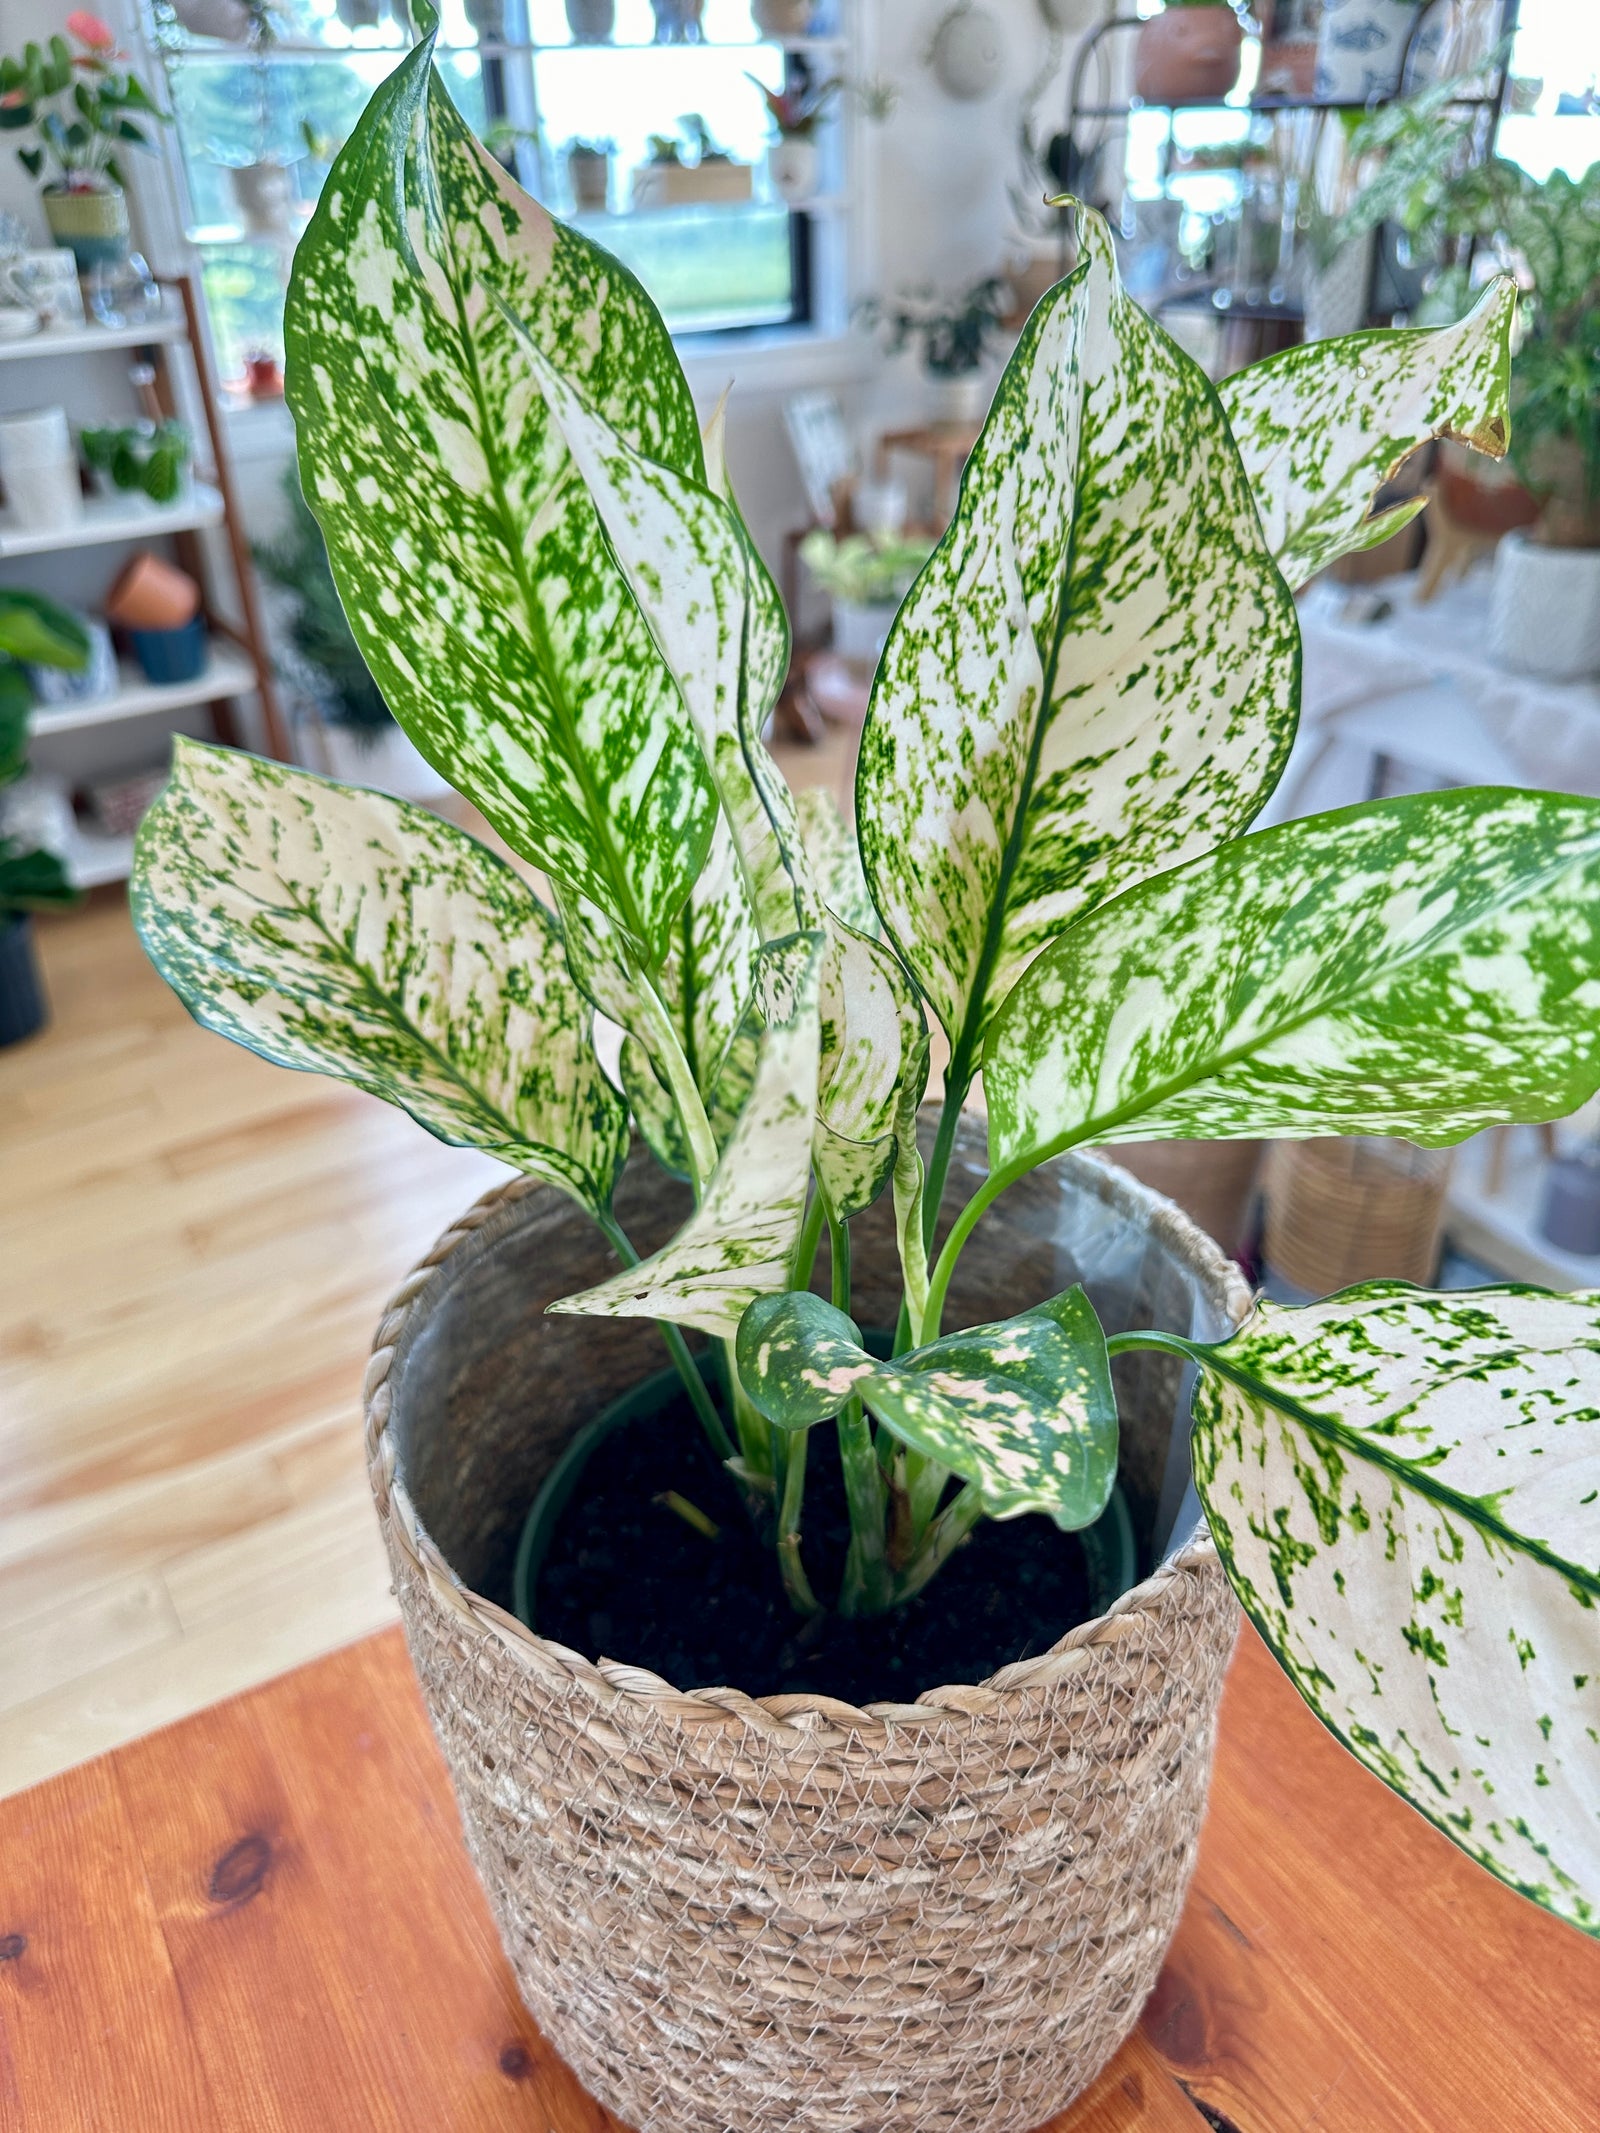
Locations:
(263, 1919)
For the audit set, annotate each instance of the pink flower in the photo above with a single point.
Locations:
(90, 30)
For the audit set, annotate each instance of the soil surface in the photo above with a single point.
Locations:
(626, 1578)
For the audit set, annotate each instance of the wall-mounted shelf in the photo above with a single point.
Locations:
(228, 672)
(116, 518)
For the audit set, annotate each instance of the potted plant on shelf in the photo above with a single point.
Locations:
(34, 631)
(84, 110)
(954, 336)
(790, 1881)
(794, 157)
(670, 179)
(149, 459)
(1188, 54)
(589, 174)
(866, 576)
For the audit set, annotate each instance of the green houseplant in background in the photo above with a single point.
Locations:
(34, 631)
(1086, 698)
(326, 661)
(84, 111)
(952, 335)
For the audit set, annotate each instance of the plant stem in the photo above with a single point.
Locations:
(677, 1347)
(945, 1535)
(805, 1250)
(790, 1568)
(865, 1589)
(965, 1223)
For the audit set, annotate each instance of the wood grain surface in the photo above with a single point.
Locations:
(262, 1920)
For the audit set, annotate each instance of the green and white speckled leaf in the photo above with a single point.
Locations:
(1095, 677)
(342, 932)
(1024, 1409)
(1403, 1489)
(1323, 426)
(469, 558)
(1424, 966)
(709, 603)
(874, 1065)
(835, 856)
(737, 1244)
(656, 1115)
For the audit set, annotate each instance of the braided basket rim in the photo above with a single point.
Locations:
(816, 1720)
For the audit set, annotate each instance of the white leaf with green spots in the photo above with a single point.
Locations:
(656, 1115)
(835, 856)
(708, 601)
(1321, 427)
(341, 932)
(737, 1244)
(1425, 966)
(468, 555)
(1405, 1492)
(1024, 1409)
(1097, 674)
(874, 1067)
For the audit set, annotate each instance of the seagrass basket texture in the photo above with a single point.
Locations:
(1342, 1211)
(730, 1911)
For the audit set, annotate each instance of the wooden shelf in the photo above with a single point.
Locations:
(90, 340)
(115, 518)
(229, 672)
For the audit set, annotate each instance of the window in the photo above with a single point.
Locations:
(258, 125)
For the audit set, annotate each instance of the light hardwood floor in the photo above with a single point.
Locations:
(194, 1249)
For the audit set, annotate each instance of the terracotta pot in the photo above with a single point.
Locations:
(781, 18)
(1483, 495)
(152, 594)
(735, 1913)
(1188, 55)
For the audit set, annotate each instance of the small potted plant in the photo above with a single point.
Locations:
(150, 459)
(1188, 54)
(688, 169)
(794, 157)
(34, 631)
(754, 1865)
(83, 109)
(866, 575)
(954, 335)
(589, 174)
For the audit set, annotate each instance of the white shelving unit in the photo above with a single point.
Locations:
(237, 665)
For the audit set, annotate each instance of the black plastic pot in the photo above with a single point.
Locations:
(22, 1002)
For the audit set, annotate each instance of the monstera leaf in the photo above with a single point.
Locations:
(1424, 966)
(1402, 1488)
(1095, 676)
(737, 1244)
(1323, 426)
(468, 555)
(341, 932)
(1024, 1409)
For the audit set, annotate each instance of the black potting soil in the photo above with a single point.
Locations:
(626, 1577)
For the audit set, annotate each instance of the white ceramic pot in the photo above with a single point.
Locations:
(861, 628)
(963, 399)
(1544, 609)
(591, 21)
(261, 194)
(386, 761)
(590, 179)
(781, 18)
(792, 164)
(40, 470)
(1361, 46)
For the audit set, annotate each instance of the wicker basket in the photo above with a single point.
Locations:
(730, 1912)
(1353, 1210)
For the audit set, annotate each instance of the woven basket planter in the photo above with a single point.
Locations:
(1339, 1212)
(730, 1912)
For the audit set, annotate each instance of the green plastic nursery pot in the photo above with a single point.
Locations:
(93, 225)
(731, 1910)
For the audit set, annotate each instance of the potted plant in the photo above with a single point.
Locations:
(954, 335)
(34, 631)
(150, 459)
(794, 157)
(591, 21)
(735, 1897)
(669, 178)
(866, 575)
(589, 173)
(1188, 54)
(83, 109)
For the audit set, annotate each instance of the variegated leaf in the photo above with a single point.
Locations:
(1321, 427)
(1424, 966)
(1095, 677)
(737, 1244)
(709, 602)
(468, 556)
(1025, 1409)
(874, 1065)
(1403, 1489)
(835, 856)
(341, 932)
(656, 1115)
